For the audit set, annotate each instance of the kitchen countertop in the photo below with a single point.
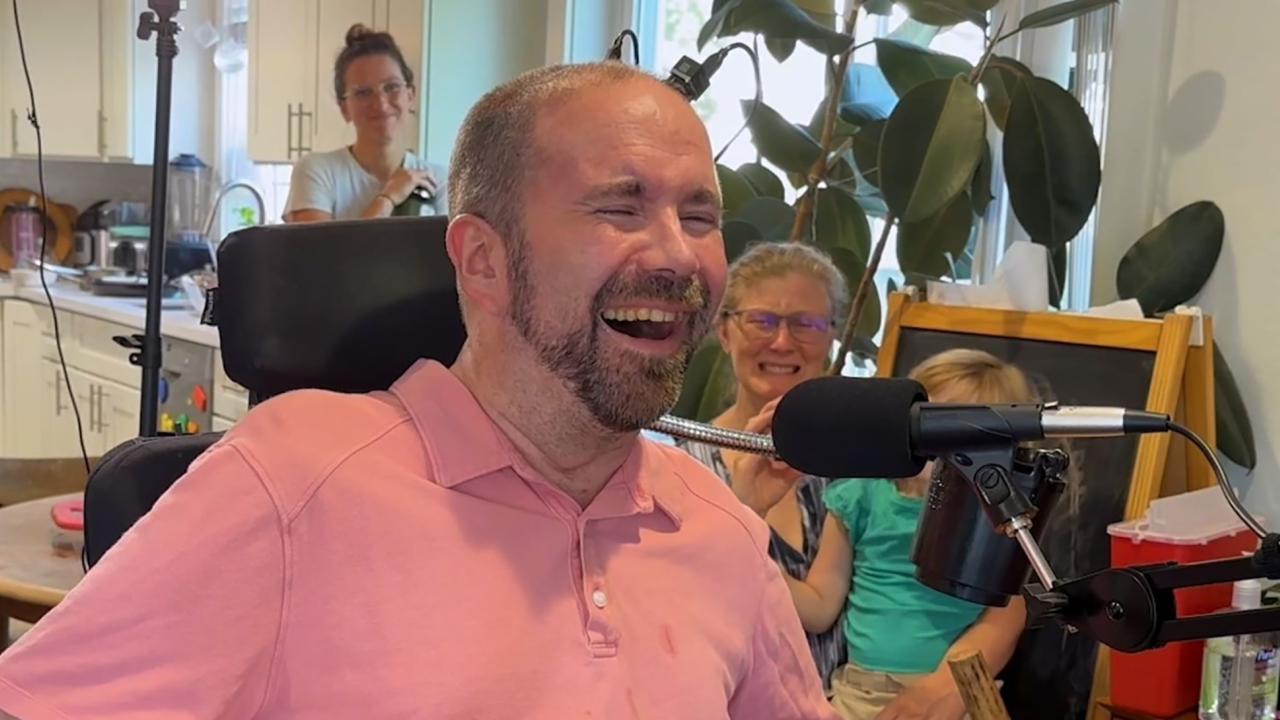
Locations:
(177, 321)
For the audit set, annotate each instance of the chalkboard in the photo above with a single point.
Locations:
(1051, 673)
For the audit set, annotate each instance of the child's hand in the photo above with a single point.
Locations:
(761, 482)
(933, 697)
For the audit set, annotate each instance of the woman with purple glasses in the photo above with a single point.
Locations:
(777, 325)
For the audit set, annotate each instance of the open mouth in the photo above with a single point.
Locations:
(642, 323)
(783, 369)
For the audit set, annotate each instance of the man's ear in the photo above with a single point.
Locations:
(480, 261)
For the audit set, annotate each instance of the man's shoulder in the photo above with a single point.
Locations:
(294, 438)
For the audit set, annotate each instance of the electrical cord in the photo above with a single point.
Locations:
(1221, 476)
(44, 237)
(615, 50)
(759, 98)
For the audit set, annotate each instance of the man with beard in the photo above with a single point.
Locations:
(490, 540)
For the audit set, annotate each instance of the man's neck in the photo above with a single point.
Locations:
(378, 159)
(551, 430)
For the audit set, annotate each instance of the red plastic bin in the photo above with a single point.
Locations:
(1187, 528)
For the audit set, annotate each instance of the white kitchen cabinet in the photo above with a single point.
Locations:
(282, 61)
(292, 48)
(64, 54)
(118, 408)
(221, 424)
(25, 405)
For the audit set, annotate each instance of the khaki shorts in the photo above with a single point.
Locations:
(861, 694)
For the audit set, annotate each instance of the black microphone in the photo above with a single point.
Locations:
(885, 427)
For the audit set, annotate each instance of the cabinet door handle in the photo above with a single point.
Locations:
(13, 129)
(304, 146)
(289, 127)
(57, 393)
(102, 135)
(95, 408)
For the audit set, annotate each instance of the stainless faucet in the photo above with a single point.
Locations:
(217, 202)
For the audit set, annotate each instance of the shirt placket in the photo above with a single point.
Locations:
(602, 634)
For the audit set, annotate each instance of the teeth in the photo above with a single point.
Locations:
(778, 369)
(639, 315)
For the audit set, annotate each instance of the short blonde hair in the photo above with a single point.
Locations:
(773, 260)
(981, 376)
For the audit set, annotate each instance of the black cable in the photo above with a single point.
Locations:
(1221, 476)
(615, 50)
(44, 237)
(755, 64)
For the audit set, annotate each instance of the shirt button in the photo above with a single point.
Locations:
(600, 599)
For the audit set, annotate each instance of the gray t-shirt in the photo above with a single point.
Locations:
(334, 182)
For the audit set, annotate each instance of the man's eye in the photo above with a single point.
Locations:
(616, 211)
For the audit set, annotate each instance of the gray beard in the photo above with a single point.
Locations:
(623, 391)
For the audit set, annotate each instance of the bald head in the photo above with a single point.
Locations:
(500, 143)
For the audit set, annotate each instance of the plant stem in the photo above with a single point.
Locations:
(818, 171)
(865, 285)
(996, 38)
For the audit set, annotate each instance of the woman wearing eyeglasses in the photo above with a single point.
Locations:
(377, 176)
(777, 325)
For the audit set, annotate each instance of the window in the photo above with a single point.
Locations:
(1080, 60)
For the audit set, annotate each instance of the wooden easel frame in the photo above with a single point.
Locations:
(1181, 381)
(1181, 385)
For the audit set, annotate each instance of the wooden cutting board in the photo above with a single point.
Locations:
(61, 217)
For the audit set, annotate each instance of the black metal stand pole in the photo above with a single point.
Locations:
(166, 31)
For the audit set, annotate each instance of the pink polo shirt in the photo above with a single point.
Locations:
(391, 556)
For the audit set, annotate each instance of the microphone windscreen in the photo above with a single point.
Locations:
(841, 427)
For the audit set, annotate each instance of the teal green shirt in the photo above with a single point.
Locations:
(892, 623)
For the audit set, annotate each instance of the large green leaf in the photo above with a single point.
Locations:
(714, 26)
(1170, 264)
(999, 78)
(1051, 162)
(867, 95)
(762, 180)
(738, 236)
(709, 384)
(1234, 430)
(843, 128)
(782, 20)
(879, 7)
(948, 12)
(779, 141)
(780, 48)
(840, 222)
(823, 12)
(931, 146)
(735, 191)
(923, 246)
(772, 217)
(1057, 274)
(906, 65)
(866, 151)
(980, 195)
(1062, 12)
(852, 267)
(915, 32)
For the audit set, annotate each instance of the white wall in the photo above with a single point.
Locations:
(1193, 116)
(472, 46)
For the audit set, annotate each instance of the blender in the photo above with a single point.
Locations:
(191, 189)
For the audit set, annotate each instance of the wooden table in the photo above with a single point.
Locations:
(39, 562)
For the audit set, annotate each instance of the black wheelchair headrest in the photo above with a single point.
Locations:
(345, 306)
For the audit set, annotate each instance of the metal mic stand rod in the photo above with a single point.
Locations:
(166, 31)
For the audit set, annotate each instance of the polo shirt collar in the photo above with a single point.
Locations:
(463, 443)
